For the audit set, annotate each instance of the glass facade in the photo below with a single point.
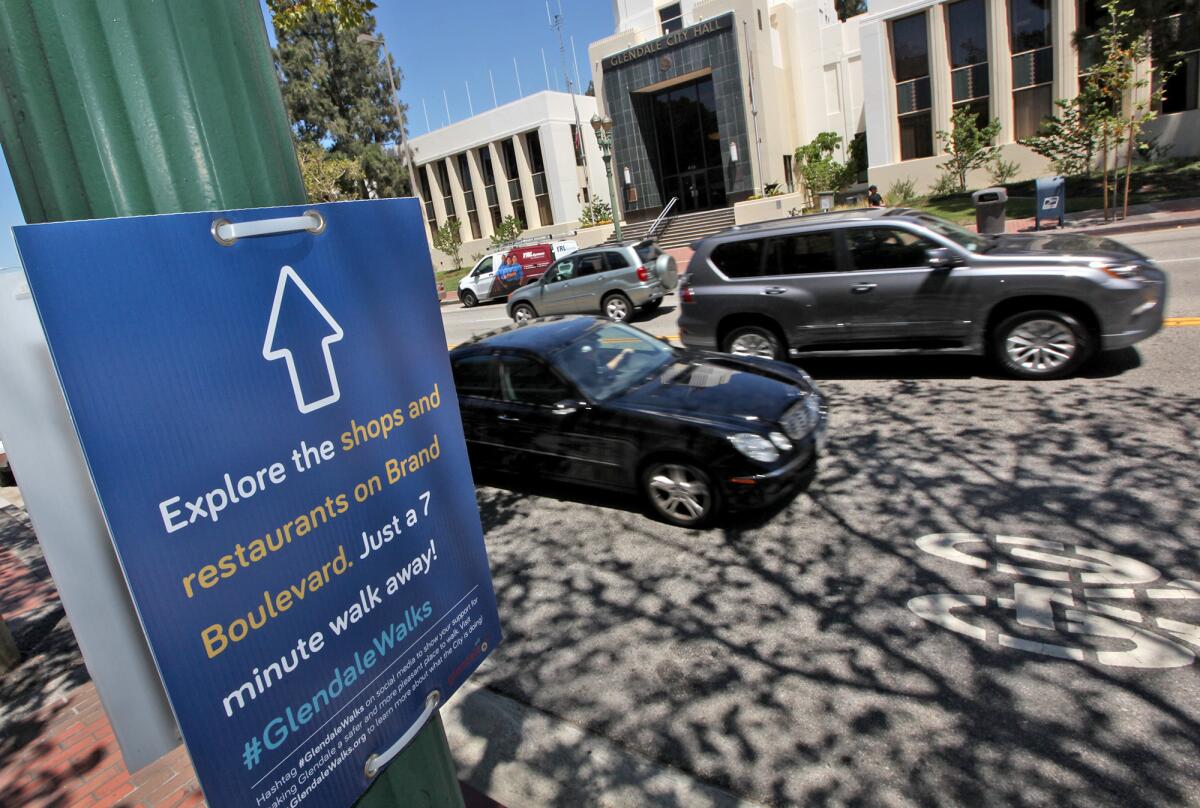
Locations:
(464, 177)
(508, 152)
(489, 184)
(910, 54)
(537, 166)
(688, 144)
(1032, 64)
(966, 28)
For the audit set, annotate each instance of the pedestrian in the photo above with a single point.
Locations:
(873, 197)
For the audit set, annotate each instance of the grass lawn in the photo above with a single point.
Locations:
(1149, 183)
(451, 277)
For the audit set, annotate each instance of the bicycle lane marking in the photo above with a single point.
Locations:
(1157, 643)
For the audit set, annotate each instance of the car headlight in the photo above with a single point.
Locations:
(755, 447)
(781, 442)
(1122, 272)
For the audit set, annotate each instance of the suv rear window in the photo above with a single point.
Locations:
(648, 251)
(739, 259)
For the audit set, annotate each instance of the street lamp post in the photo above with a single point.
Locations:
(603, 128)
(406, 155)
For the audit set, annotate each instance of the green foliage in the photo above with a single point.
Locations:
(1168, 28)
(510, 230)
(969, 147)
(1002, 171)
(448, 240)
(288, 14)
(328, 177)
(596, 212)
(338, 95)
(850, 8)
(817, 168)
(1070, 138)
(946, 184)
(901, 193)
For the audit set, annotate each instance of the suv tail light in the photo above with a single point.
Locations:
(643, 274)
(686, 295)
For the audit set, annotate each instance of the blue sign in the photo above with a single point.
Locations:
(271, 426)
(1051, 200)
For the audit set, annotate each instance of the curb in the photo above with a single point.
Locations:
(520, 755)
(1139, 227)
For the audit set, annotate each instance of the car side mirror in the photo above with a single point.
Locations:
(942, 258)
(566, 407)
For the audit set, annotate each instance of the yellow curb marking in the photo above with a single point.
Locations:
(1182, 321)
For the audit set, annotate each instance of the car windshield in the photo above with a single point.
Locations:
(960, 236)
(608, 360)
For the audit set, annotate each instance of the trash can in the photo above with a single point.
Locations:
(1051, 200)
(989, 209)
(825, 200)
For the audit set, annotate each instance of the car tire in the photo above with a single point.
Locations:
(1041, 344)
(681, 493)
(7, 478)
(754, 340)
(523, 312)
(617, 308)
(468, 299)
(651, 307)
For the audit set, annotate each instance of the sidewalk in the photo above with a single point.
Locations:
(56, 744)
(1153, 216)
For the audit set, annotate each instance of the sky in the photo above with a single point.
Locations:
(446, 47)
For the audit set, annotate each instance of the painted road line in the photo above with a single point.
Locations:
(1182, 321)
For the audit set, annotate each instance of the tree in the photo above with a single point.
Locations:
(850, 8)
(817, 168)
(508, 231)
(328, 176)
(1168, 28)
(448, 240)
(967, 146)
(338, 93)
(287, 14)
(1070, 139)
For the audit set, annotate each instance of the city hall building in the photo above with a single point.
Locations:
(710, 98)
(1007, 60)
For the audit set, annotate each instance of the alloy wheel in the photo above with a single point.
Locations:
(522, 314)
(679, 493)
(617, 309)
(1041, 345)
(752, 343)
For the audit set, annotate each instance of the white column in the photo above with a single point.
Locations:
(1000, 68)
(506, 208)
(879, 95)
(436, 193)
(479, 187)
(456, 194)
(525, 175)
(562, 175)
(1066, 58)
(941, 94)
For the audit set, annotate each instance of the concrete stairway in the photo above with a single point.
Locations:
(681, 230)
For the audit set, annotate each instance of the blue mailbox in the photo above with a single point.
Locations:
(1051, 200)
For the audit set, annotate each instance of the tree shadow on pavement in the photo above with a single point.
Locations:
(781, 661)
(1110, 364)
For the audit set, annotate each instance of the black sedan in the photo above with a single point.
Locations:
(585, 400)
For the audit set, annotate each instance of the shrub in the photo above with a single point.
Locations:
(901, 192)
(448, 240)
(968, 147)
(1003, 171)
(594, 213)
(945, 185)
(510, 230)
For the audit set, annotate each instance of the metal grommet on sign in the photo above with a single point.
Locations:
(376, 762)
(227, 233)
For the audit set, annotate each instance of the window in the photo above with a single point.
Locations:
(1179, 91)
(739, 259)
(527, 381)
(1090, 19)
(508, 152)
(611, 359)
(886, 248)
(801, 254)
(475, 377)
(485, 265)
(671, 18)
(464, 178)
(1032, 64)
(443, 177)
(577, 143)
(910, 54)
(615, 260)
(564, 270)
(589, 265)
(966, 27)
(537, 165)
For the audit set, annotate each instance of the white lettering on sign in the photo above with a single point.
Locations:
(1080, 582)
(669, 41)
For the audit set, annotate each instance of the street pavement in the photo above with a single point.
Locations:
(990, 595)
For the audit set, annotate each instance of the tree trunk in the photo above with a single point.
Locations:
(1129, 165)
(1104, 170)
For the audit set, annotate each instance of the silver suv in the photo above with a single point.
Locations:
(615, 281)
(885, 281)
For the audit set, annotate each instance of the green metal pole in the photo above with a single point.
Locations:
(130, 107)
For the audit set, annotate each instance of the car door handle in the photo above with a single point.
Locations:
(774, 290)
(509, 418)
(863, 288)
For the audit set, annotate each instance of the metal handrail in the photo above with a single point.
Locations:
(661, 216)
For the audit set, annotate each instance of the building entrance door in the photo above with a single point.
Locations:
(688, 144)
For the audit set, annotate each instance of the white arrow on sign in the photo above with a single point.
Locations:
(272, 352)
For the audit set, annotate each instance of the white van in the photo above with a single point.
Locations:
(482, 283)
